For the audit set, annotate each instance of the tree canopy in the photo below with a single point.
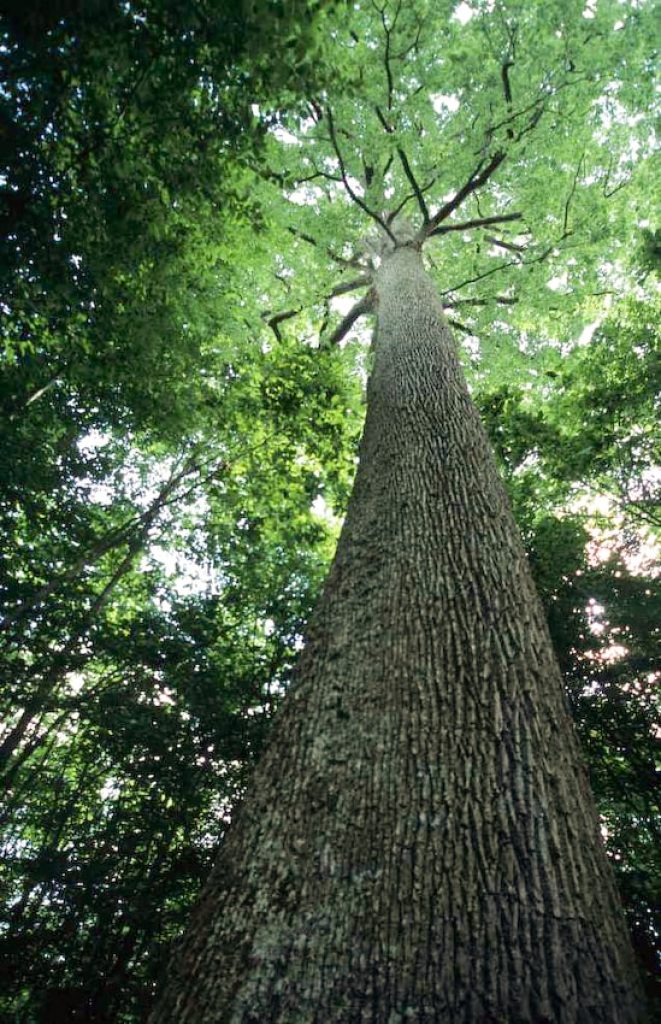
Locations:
(191, 198)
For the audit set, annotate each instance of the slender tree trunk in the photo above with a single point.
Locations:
(419, 843)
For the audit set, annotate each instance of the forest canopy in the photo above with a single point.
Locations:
(191, 199)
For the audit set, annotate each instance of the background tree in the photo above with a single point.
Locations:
(135, 426)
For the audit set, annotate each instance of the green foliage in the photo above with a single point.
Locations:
(180, 433)
(125, 193)
(139, 710)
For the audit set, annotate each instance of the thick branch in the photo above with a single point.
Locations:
(459, 326)
(350, 286)
(385, 124)
(480, 175)
(386, 61)
(364, 305)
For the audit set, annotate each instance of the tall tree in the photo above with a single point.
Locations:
(419, 841)
(146, 406)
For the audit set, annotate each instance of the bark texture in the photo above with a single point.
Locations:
(419, 845)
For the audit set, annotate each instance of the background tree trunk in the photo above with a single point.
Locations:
(419, 843)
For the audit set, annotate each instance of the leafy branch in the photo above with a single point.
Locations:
(478, 222)
(479, 177)
(347, 184)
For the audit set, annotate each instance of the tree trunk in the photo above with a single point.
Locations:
(419, 843)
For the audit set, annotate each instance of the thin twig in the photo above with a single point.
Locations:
(480, 277)
(502, 300)
(343, 261)
(288, 314)
(572, 191)
(511, 263)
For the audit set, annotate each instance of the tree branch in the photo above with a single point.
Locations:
(507, 89)
(341, 289)
(539, 101)
(571, 193)
(502, 244)
(343, 261)
(279, 318)
(472, 280)
(364, 305)
(458, 324)
(350, 286)
(297, 182)
(511, 263)
(387, 127)
(502, 300)
(480, 175)
(409, 49)
(414, 184)
(478, 222)
(386, 56)
(356, 198)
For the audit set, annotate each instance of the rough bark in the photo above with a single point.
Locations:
(419, 843)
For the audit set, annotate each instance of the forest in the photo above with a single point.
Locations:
(202, 205)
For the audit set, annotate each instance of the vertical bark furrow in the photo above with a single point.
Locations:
(419, 844)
